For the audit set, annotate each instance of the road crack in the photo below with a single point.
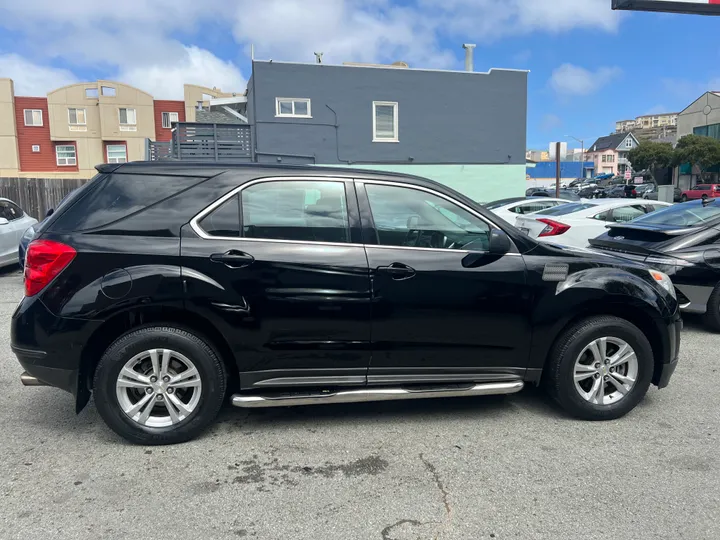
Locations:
(438, 482)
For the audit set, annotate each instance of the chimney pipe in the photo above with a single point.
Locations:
(469, 56)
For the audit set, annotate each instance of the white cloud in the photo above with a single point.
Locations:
(31, 79)
(571, 80)
(139, 39)
(198, 66)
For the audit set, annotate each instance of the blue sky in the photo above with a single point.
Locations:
(589, 66)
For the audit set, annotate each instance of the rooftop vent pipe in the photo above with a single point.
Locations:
(469, 56)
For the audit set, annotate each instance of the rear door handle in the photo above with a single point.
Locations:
(398, 271)
(233, 258)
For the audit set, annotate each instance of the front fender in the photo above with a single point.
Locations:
(592, 291)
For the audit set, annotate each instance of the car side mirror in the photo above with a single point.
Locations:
(498, 246)
(3, 221)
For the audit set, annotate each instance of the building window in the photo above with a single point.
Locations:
(385, 121)
(33, 117)
(168, 118)
(116, 153)
(628, 143)
(65, 155)
(293, 107)
(91, 93)
(127, 117)
(604, 158)
(35, 147)
(611, 158)
(76, 117)
(108, 91)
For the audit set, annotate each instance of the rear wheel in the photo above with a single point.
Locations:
(704, 198)
(600, 368)
(159, 385)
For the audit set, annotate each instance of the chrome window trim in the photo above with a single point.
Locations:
(194, 222)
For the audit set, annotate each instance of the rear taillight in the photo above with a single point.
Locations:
(553, 228)
(44, 260)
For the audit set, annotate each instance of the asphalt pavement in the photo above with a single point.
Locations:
(470, 468)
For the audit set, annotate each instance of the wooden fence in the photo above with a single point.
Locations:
(38, 195)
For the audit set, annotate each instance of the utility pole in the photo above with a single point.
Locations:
(582, 155)
(557, 170)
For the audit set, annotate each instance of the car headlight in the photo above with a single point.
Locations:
(664, 281)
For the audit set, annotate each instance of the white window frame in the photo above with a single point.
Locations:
(134, 122)
(278, 114)
(76, 123)
(114, 159)
(35, 148)
(394, 105)
(628, 143)
(33, 111)
(67, 160)
(170, 116)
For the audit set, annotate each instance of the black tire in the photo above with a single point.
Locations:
(683, 198)
(208, 363)
(559, 370)
(712, 315)
(704, 198)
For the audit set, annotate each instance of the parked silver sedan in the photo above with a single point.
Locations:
(13, 224)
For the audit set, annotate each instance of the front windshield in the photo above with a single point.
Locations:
(683, 215)
(565, 209)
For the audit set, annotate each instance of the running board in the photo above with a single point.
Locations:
(376, 394)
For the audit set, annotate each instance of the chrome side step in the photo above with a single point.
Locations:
(29, 380)
(376, 394)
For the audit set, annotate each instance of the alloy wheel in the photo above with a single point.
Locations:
(605, 371)
(158, 388)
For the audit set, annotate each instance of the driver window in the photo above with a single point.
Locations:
(413, 218)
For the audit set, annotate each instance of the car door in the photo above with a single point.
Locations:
(278, 266)
(436, 317)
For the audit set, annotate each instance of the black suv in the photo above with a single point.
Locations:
(165, 287)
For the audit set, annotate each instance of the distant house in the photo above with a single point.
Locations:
(609, 154)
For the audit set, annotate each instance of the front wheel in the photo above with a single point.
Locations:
(684, 198)
(600, 368)
(159, 385)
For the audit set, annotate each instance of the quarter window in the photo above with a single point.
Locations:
(65, 155)
(385, 121)
(293, 107)
(76, 117)
(414, 218)
(627, 213)
(168, 118)
(33, 117)
(296, 210)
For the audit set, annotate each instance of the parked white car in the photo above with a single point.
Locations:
(510, 209)
(575, 224)
(13, 224)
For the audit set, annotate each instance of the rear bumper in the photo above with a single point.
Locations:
(49, 347)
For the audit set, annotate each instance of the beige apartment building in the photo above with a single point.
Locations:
(647, 122)
(74, 128)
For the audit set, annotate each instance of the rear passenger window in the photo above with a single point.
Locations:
(627, 213)
(530, 208)
(224, 220)
(308, 211)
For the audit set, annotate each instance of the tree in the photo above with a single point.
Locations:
(651, 155)
(700, 152)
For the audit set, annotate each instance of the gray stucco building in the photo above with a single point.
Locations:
(465, 129)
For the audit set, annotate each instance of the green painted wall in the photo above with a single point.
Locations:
(482, 183)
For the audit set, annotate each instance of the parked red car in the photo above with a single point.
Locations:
(701, 191)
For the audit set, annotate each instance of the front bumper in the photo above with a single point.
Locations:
(665, 369)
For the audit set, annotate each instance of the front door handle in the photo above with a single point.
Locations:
(398, 271)
(233, 258)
